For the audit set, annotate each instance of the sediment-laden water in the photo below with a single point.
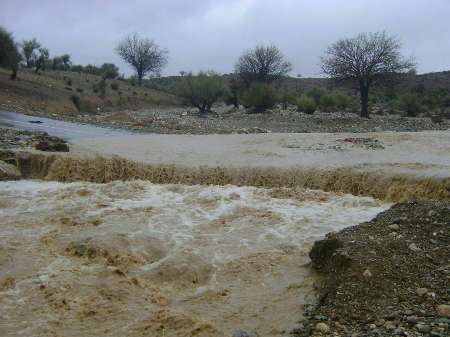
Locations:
(140, 259)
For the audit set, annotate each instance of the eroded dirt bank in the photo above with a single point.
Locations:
(386, 277)
(137, 259)
(380, 185)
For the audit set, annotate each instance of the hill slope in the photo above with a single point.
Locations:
(63, 92)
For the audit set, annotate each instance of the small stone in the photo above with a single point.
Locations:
(422, 328)
(321, 318)
(367, 273)
(380, 322)
(412, 319)
(399, 332)
(322, 327)
(394, 227)
(372, 326)
(389, 326)
(421, 291)
(414, 247)
(241, 333)
(443, 310)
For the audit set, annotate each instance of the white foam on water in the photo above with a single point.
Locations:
(226, 226)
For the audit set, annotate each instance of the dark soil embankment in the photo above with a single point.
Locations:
(387, 277)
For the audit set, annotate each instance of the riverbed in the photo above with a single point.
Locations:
(134, 258)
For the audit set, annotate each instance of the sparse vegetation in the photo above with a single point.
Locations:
(202, 90)
(9, 52)
(306, 104)
(144, 55)
(262, 64)
(259, 97)
(28, 51)
(365, 60)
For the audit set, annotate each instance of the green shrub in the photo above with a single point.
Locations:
(342, 100)
(76, 101)
(410, 104)
(114, 86)
(316, 94)
(100, 87)
(287, 98)
(80, 90)
(306, 104)
(69, 82)
(328, 102)
(259, 97)
(202, 90)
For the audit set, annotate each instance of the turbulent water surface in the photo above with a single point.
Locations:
(138, 259)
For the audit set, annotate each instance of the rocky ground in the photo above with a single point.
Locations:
(226, 120)
(386, 277)
(12, 138)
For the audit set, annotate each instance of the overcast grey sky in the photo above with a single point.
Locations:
(211, 34)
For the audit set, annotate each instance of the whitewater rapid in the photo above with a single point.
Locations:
(134, 258)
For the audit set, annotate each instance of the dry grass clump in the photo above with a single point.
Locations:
(384, 187)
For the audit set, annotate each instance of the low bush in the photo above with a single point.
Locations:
(100, 87)
(76, 101)
(306, 104)
(114, 86)
(410, 104)
(201, 90)
(259, 97)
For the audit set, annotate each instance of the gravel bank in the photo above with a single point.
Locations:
(386, 277)
(225, 121)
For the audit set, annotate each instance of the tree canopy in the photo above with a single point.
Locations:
(262, 64)
(365, 59)
(143, 54)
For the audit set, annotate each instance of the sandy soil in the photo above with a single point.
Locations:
(420, 153)
(136, 259)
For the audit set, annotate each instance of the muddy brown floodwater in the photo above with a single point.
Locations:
(139, 259)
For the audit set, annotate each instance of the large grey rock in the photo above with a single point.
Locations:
(9, 172)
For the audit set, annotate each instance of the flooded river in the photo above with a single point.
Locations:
(53, 127)
(138, 259)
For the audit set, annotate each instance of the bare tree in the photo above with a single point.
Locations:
(28, 48)
(365, 59)
(144, 55)
(262, 64)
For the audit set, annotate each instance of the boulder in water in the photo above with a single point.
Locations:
(9, 172)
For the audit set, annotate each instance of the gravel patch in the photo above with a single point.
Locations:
(225, 121)
(386, 277)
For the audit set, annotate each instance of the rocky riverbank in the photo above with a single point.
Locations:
(12, 139)
(386, 277)
(225, 121)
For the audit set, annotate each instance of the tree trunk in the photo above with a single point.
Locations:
(14, 73)
(140, 76)
(364, 88)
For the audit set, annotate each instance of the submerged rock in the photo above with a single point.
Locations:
(9, 172)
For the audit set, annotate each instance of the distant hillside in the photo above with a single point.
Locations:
(424, 83)
(74, 93)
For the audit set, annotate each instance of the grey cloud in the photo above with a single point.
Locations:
(211, 34)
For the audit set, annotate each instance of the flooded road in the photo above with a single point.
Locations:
(139, 259)
(53, 127)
